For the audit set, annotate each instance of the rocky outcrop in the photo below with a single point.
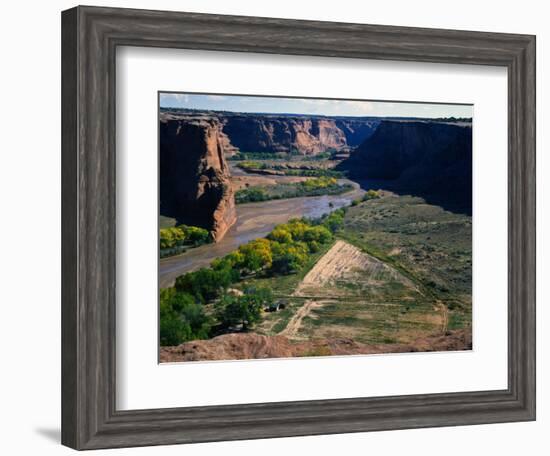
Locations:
(271, 133)
(308, 136)
(356, 130)
(256, 346)
(428, 158)
(194, 177)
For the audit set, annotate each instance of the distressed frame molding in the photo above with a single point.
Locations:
(90, 36)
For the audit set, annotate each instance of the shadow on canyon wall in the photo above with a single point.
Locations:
(194, 177)
(432, 160)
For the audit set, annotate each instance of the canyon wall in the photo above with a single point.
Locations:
(271, 133)
(194, 176)
(307, 135)
(356, 130)
(428, 158)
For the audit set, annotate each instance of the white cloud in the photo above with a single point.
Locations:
(351, 107)
(360, 107)
(173, 99)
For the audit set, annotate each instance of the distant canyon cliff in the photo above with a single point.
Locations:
(301, 134)
(194, 175)
(427, 158)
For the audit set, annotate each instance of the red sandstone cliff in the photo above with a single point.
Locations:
(194, 177)
(303, 134)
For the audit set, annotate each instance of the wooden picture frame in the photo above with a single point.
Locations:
(90, 36)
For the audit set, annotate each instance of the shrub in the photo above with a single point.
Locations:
(205, 284)
(170, 237)
(251, 164)
(334, 220)
(242, 310)
(288, 258)
(371, 194)
(181, 318)
(195, 234)
(287, 263)
(251, 195)
(313, 246)
(244, 156)
(312, 187)
(256, 255)
(297, 228)
(319, 182)
(234, 260)
(281, 234)
(320, 234)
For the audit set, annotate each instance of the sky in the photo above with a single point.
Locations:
(257, 104)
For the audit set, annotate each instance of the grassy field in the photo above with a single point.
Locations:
(397, 272)
(311, 187)
(423, 243)
(431, 246)
(292, 168)
(403, 272)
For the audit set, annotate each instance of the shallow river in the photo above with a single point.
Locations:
(254, 220)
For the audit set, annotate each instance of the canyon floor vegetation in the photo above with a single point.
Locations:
(389, 271)
(288, 233)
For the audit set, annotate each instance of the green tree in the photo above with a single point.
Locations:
(297, 228)
(181, 318)
(233, 261)
(170, 237)
(251, 195)
(195, 235)
(313, 246)
(205, 284)
(319, 182)
(320, 234)
(281, 234)
(243, 310)
(334, 220)
(256, 254)
(371, 194)
(289, 258)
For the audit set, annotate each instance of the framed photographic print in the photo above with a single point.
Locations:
(280, 228)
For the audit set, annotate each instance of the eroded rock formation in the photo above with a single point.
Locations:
(194, 177)
(428, 158)
(302, 134)
(356, 130)
(256, 346)
(308, 136)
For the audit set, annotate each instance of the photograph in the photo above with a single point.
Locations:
(301, 227)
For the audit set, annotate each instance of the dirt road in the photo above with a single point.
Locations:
(296, 321)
